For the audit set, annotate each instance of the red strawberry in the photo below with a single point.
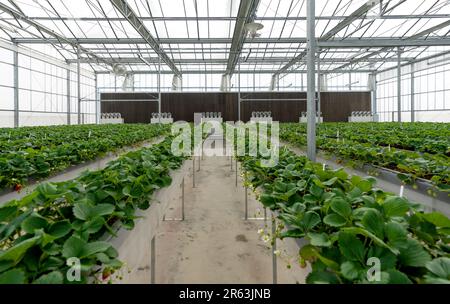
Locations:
(106, 274)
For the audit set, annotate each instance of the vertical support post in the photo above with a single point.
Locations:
(79, 85)
(399, 85)
(413, 103)
(182, 200)
(153, 260)
(236, 173)
(16, 86)
(193, 171)
(253, 82)
(311, 92)
(246, 203)
(274, 248)
(159, 89)
(349, 81)
(239, 88)
(69, 114)
(318, 86)
(97, 101)
(301, 81)
(373, 87)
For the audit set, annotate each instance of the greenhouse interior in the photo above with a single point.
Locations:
(225, 142)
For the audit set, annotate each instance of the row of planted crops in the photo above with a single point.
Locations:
(413, 150)
(347, 222)
(32, 153)
(57, 222)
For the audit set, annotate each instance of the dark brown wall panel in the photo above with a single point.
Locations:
(134, 107)
(184, 105)
(285, 106)
(337, 106)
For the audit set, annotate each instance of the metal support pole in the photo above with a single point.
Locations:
(413, 105)
(301, 82)
(349, 81)
(193, 171)
(374, 94)
(79, 84)
(153, 260)
(239, 88)
(253, 82)
(159, 89)
(97, 102)
(182, 200)
(69, 114)
(274, 248)
(236, 173)
(399, 85)
(311, 102)
(16, 87)
(318, 86)
(246, 203)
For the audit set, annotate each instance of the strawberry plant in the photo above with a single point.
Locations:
(37, 152)
(59, 221)
(349, 222)
(409, 164)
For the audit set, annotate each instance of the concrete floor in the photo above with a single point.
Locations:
(215, 244)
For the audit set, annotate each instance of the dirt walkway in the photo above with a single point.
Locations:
(214, 244)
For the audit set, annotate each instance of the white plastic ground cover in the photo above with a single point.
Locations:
(134, 246)
(75, 171)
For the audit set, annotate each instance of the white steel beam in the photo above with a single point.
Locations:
(341, 25)
(362, 10)
(246, 13)
(399, 85)
(58, 39)
(68, 96)
(311, 92)
(411, 38)
(123, 7)
(79, 86)
(16, 88)
(413, 104)
(336, 43)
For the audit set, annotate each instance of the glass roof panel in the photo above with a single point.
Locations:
(208, 26)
